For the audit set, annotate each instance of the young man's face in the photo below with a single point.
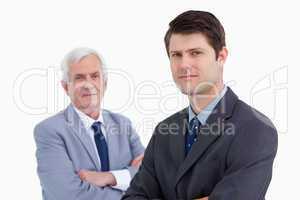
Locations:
(194, 66)
(86, 86)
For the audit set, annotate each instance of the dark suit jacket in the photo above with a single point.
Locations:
(231, 160)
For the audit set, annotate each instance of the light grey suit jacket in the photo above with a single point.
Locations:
(64, 147)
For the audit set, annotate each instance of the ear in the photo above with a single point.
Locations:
(223, 56)
(105, 85)
(64, 84)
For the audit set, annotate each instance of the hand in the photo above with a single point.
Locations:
(100, 179)
(137, 161)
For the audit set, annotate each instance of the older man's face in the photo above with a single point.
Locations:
(86, 85)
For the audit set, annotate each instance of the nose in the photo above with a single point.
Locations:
(89, 78)
(185, 62)
(88, 83)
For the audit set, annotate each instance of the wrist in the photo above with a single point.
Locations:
(111, 179)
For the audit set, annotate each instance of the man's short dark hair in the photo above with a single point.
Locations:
(198, 22)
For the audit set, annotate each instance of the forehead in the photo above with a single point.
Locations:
(182, 42)
(88, 64)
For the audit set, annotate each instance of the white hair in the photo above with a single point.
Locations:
(75, 56)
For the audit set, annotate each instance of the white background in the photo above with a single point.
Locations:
(262, 38)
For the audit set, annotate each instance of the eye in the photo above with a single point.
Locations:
(94, 76)
(196, 53)
(78, 77)
(174, 55)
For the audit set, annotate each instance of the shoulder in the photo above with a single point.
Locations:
(50, 123)
(248, 116)
(176, 117)
(175, 122)
(253, 126)
(112, 117)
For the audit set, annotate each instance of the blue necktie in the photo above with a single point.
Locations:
(101, 146)
(191, 137)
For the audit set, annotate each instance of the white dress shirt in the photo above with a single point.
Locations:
(122, 176)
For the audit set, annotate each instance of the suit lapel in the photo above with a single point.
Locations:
(76, 126)
(177, 140)
(112, 137)
(210, 132)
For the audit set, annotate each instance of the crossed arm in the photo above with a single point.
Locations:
(57, 174)
(249, 158)
(102, 179)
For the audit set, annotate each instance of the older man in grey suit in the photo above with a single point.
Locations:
(85, 152)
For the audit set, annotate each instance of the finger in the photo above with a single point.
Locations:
(82, 174)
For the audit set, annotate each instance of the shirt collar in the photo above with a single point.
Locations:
(86, 120)
(204, 114)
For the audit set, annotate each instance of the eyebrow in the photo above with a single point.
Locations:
(81, 74)
(193, 49)
(97, 72)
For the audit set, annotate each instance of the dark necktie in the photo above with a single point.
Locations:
(191, 137)
(101, 146)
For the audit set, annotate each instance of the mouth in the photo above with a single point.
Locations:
(187, 77)
(89, 94)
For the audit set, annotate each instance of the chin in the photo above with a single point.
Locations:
(186, 91)
(89, 106)
(196, 90)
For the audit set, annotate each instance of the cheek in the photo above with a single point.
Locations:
(213, 72)
(99, 84)
(70, 90)
(174, 70)
(74, 91)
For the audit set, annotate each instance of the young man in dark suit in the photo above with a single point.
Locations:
(218, 148)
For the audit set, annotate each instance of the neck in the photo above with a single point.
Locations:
(91, 112)
(201, 100)
(94, 114)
